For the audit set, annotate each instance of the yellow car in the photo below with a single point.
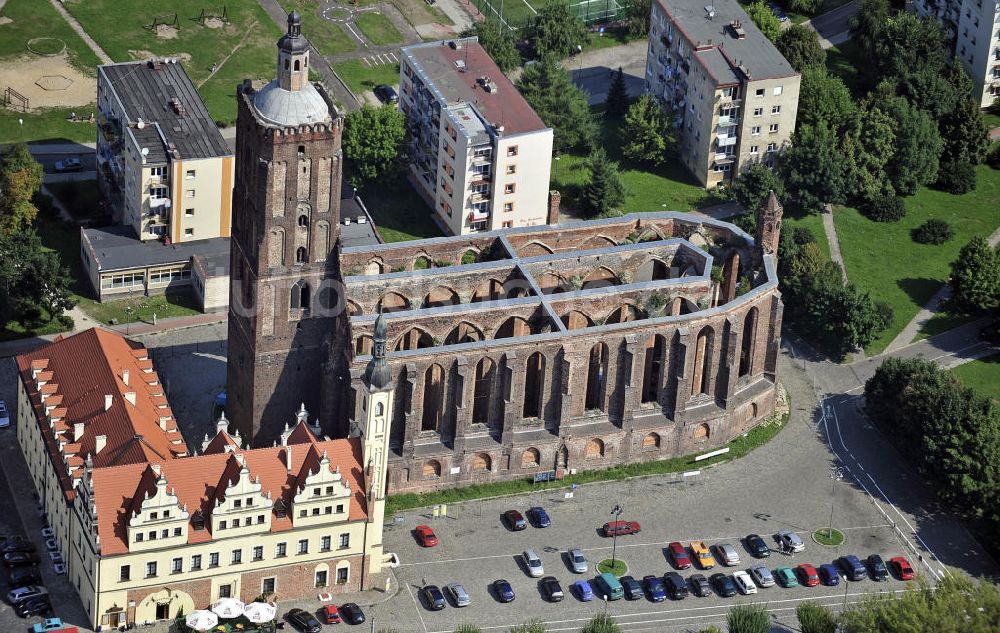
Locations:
(702, 554)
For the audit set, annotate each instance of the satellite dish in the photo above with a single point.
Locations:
(144, 151)
(140, 124)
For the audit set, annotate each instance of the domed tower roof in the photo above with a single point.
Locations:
(378, 374)
(293, 41)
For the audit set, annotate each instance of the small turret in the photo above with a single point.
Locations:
(378, 374)
(768, 232)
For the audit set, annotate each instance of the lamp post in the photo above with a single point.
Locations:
(617, 511)
(836, 474)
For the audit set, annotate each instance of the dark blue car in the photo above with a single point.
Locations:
(852, 567)
(539, 517)
(654, 588)
(828, 575)
(632, 587)
(505, 593)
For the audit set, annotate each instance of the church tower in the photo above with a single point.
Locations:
(376, 395)
(284, 253)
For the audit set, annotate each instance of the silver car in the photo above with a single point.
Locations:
(790, 541)
(4, 415)
(578, 560)
(762, 576)
(727, 554)
(533, 563)
(458, 594)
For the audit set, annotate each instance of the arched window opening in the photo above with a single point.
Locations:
(600, 278)
(575, 320)
(379, 409)
(299, 299)
(534, 383)
(414, 338)
(431, 469)
(392, 302)
(441, 296)
(303, 220)
(485, 373)
(748, 344)
(651, 442)
(652, 270)
(491, 290)
(482, 463)
(653, 368)
(433, 400)
(624, 314)
(301, 255)
(297, 65)
(594, 449)
(463, 333)
(701, 381)
(530, 458)
(597, 371)
(363, 345)
(513, 327)
(702, 432)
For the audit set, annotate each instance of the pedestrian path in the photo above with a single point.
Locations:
(104, 57)
(831, 238)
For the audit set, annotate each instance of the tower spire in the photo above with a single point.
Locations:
(378, 374)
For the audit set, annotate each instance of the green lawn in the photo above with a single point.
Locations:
(983, 375)
(398, 211)
(793, 217)
(882, 257)
(992, 118)
(329, 37)
(360, 77)
(377, 28)
(669, 187)
(50, 124)
(845, 61)
(242, 48)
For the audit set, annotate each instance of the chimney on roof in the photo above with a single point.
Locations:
(77, 431)
(108, 399)
(125, 376)
(99, 443)
(288, 458)
(156, 468)
(130, 396)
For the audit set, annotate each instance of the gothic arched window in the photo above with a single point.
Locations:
(299, 299)
(300, 255)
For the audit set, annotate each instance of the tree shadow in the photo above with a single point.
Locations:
(920, 290)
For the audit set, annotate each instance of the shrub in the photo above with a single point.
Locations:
(469, 257)
(933, 231)
(885, 208)
(748, 618)
(993, 158)
(957, 176)
(815, 618)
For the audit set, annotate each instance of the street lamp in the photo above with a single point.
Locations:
(617, 511)
(836, 474)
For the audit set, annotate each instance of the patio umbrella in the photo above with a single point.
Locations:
(260, 612)
(202, 620)
(228, 608)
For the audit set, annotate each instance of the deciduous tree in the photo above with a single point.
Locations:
(601, 624)
(555, 30)
(815, 618)
(647, 136)
(975, 276)
(498, 41)
(823, 98)
(929, 609)
(373, 142)
(748, 618)
(751, 186)
(637, 13)
(800, 46)
(20, 179)
(33, 282)
(765, 20)
(917, 146)
(816, 169)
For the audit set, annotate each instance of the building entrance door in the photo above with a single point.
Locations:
(162, 610)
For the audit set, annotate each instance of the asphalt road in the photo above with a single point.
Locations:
(833, 26)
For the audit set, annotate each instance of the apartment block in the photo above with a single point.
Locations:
(973, 29)
(481, 156)
(732, 94)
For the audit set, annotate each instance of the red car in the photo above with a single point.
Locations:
(620, 528)
(330, 614)
(902, 568)
(680, 555)
(807, 575)
(425, 535)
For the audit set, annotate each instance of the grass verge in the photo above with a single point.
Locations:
(830, 537)
(883, 259)
(398, 210)
(31, 19)
(80, 197)
(739, 447)
(982, 374)
(360, 78)
(378, 28)
(619, 568)
(846, 61)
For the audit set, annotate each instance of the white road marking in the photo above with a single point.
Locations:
(355, 33)
(416, 607)
(530, 7)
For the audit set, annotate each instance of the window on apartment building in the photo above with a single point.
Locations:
(509, 187)
(260, 519)
(124, 573)
(258, 552)
(151, 535)
(324, 544)
(772, 128)
(279, 550)
(508, 207)
(177, 531)
(189, 174)
(303, 546)
(176, 565)
(195, 562)
(342, 575)
(303, 514)
(189, 232)
(777, 90)
(156, 171)
(511, 169)
(340, 508)
(755, 130)
(267, 585)
(189, 193)
(237, 503)
(722, 168)
(315, 512)
(728, 92)
(223, 524)
(157, 193)
(321, 578)
(754, 149)
(772, 147)
(151, 569)
(213, 559)
(225, 591)
(512, 150)
(345, 540)
(759, 92)
(508, 224)
(139, 536)
(776, 109)
(758, 111)
(328, 510)
(237, 556)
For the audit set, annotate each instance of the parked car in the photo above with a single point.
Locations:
(20, 559)
(386, 93)
(791, 541)
(533, 563)
(17, 546)
(877, 568)
(632, 587)
(352, 613)
(4, 415)
(655, 590)
(53, 625)
(785, 577)
(303, 621)
(68, 164)
(539, 517)
(724, 585)
(552, 589)
(503, 590)
(24, 576)
(761, 576)
(582, 590)
(679, 555)
(577, 560)
(828, 575)
(744, 583)
(852, 567)
(677, 587)
(35, 606)
(702, 554)
(459, 596)
(757, 547)
(902, 568)
(700, 585)
(807, 574)
(433, 597)
(609, 585)
(778, 13)
(515, 520)
(20, 594)
(620, 528)
(330, 614)
(727, 554)
(425, 535)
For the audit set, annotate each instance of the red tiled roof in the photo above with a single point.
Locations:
(195, 481)
(505, 106)
(83, 369)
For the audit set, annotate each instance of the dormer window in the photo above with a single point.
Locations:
(280, 510)
(198, 520)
